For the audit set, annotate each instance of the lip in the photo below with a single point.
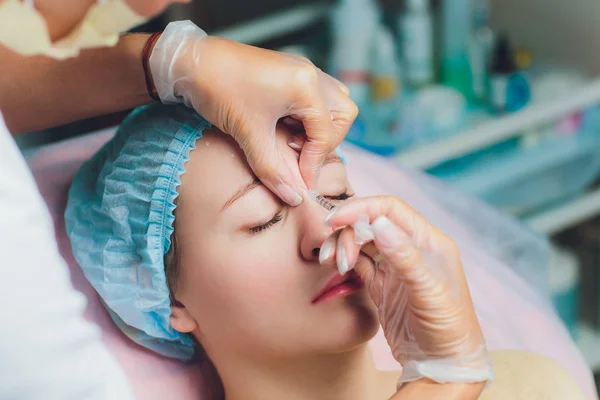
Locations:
(339, 286)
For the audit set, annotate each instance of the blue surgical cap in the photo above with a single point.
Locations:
(120, 219)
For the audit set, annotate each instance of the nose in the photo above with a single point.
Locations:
(314, 231)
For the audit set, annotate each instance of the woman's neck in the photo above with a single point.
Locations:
(348, 376)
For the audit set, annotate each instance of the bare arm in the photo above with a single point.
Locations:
(39, 92)
(427, 390)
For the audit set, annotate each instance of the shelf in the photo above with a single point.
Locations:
(566, 215)
(588, 341)
(275, 25)
(500, 129)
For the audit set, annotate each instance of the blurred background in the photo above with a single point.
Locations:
(499, 98)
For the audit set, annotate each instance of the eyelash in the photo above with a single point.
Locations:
(340, 197)
(259, 228)
(279, 216)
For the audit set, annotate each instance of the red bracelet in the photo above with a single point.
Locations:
(145, 61)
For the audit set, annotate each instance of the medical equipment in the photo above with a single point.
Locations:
(354, 26)
(320, 200)
(24, 30)
(362, 229)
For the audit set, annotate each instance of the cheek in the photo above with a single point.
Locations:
(240, 285)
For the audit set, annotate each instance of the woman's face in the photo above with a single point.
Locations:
(249, 272)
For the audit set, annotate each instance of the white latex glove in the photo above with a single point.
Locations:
(244, 90)
(418, 285)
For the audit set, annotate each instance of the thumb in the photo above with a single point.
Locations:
(403, 260)
(320, 139)
(266, 161)
(428, 287)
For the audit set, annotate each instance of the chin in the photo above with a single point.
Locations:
(353, 325)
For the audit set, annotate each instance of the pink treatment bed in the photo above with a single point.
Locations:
(512, 313)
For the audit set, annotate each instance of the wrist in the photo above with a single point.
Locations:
(146, 52)
(176, 55)
(132, 46)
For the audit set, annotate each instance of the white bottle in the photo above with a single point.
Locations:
(354, 25)
(480, 48)
(385, 69)
(382, 115)
(416, 29)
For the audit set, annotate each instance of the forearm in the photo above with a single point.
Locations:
(428, 390)
(39, 92)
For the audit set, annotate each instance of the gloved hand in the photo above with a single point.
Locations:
(418, 285)
(245, 90)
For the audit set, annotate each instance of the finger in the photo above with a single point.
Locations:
(321, 140)
(396, 247)
(342, 109)
(429, 281)
(362, 230)
(365, 268)
(297, 141)
(397, 211)
(267, 164)
(417, 235)
(300, 58)
(340, 85)
(327, 252)
(347, 250)
(405, 264)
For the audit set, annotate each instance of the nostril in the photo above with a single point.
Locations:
(315, 253)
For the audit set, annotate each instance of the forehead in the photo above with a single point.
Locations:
(216, 166)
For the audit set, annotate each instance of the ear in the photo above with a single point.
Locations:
(181, 320)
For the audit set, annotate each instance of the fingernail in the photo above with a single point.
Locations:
(295, 146)
(289, 195)
(386, 232)
(295, 143)
(330, 215)
(342, 261)
(326, 249)
(362, 230)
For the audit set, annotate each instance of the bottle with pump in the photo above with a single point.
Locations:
(385, 69)
(354, 24)
(416, 30)
(509, 89)
(456, 31)
(382, 133)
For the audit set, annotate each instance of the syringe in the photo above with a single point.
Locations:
(320, 200)
(368, 248)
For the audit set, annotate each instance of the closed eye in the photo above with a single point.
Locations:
(266, 225)
(277, 218)
(340, 197)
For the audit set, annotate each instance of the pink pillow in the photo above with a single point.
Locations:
(509, 316)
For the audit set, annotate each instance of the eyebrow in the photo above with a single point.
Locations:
(244, 190)
(254, 182)
(332, 158)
